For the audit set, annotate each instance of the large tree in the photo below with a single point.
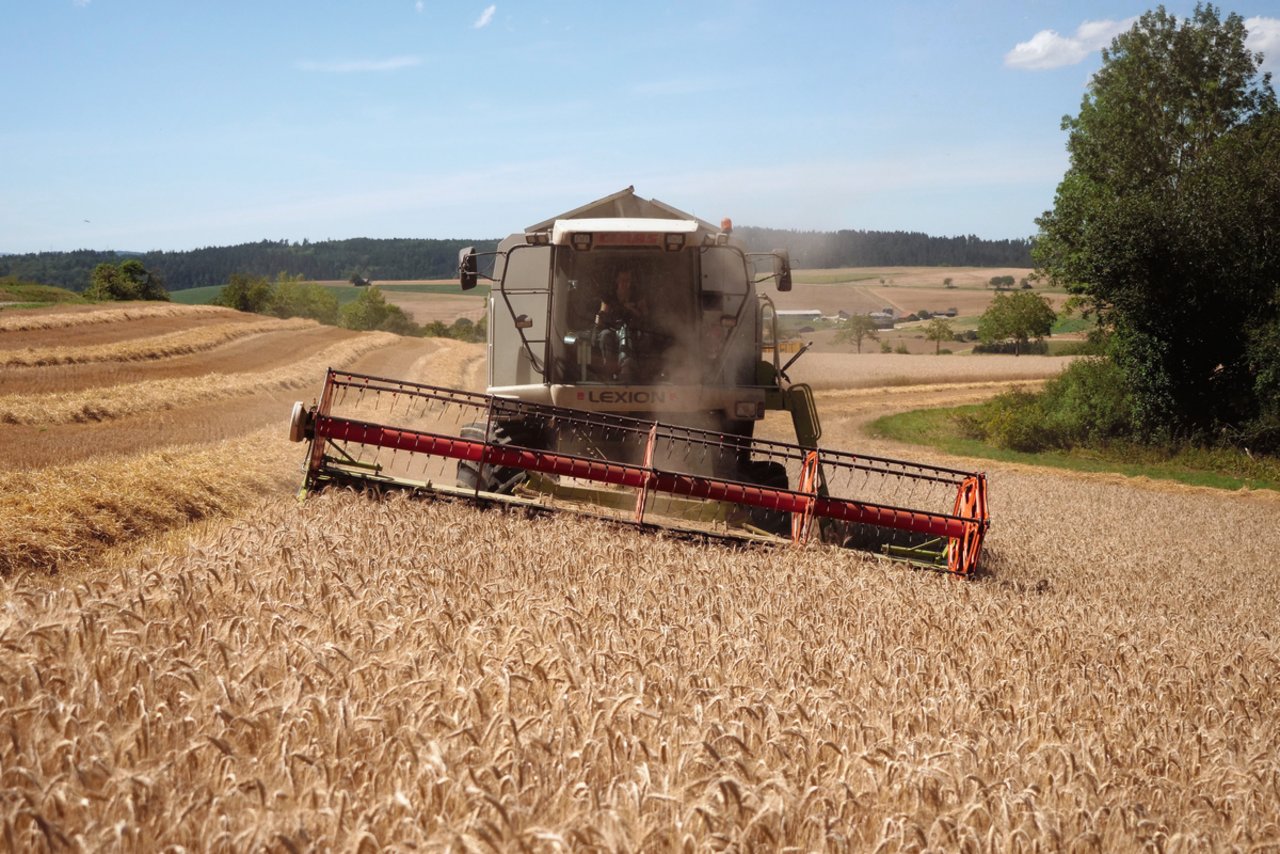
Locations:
(856, 329)
(1018, 317)
(127, 281)
(1167, 222)
(938, 330)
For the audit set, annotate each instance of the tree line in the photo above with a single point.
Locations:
(371, 259)
(292, 296)
(849, 248)
(412, 258)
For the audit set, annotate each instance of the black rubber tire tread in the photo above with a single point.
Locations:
(502, 480)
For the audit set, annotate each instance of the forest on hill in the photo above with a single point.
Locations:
(849, 248)
(376, 260)
(415, 258)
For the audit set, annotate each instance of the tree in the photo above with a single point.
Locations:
(293, 297)
(1019, 317)
(246, 293)
(1167, 220)
(127, 281)
(372, 311)
(856, 329)
(947, 283)
(939, 330)
(1001, 282)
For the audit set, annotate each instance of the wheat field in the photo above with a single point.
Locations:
(198, 662)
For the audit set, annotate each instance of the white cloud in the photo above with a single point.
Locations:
(1264, 37)
(485, 17)
(1047, 49)
(349, 66)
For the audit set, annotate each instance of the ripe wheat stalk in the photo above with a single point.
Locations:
(356, 672)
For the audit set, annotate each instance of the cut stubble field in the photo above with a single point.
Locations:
(904, 289)
(216, 666)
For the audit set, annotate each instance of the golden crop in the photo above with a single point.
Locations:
(354, 673)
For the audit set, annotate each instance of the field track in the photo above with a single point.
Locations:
(217, 667)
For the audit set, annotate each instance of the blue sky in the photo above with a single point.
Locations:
(149, 124)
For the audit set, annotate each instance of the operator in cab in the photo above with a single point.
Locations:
(617, 322)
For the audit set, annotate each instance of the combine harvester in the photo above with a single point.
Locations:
(630, 360)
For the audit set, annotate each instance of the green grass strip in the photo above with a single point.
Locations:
(1219, 469)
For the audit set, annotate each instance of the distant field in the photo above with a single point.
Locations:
(853, 289)
(904, 289)
(961, 277)
(195, 296)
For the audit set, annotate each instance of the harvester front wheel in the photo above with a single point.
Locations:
(500, 479)
(774, 475)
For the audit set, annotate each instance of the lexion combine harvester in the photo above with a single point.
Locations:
(630, 360)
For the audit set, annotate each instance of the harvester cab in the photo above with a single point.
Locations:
(631, 354)
(653, 317)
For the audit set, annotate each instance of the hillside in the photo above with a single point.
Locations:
(383, 260)
(215, 665)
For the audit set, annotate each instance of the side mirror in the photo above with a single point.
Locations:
(782, 264)
(468, 270)
(524, 321)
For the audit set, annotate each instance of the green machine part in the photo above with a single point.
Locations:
(796, 398)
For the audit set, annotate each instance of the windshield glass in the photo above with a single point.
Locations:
(644, 316)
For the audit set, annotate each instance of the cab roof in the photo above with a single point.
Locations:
(624, 204)
(563, 229)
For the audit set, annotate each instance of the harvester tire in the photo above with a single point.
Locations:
(299, 423)
(502, 479)
(771, 474)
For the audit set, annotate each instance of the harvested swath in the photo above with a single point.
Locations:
(29, 446)
(94, 334)
(155, 395)
(156, 347)
(61, 514)
(254, 353)
(450, 363)
(395, 674)
(81, 315)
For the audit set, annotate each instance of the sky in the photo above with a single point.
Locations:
(153, 125)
